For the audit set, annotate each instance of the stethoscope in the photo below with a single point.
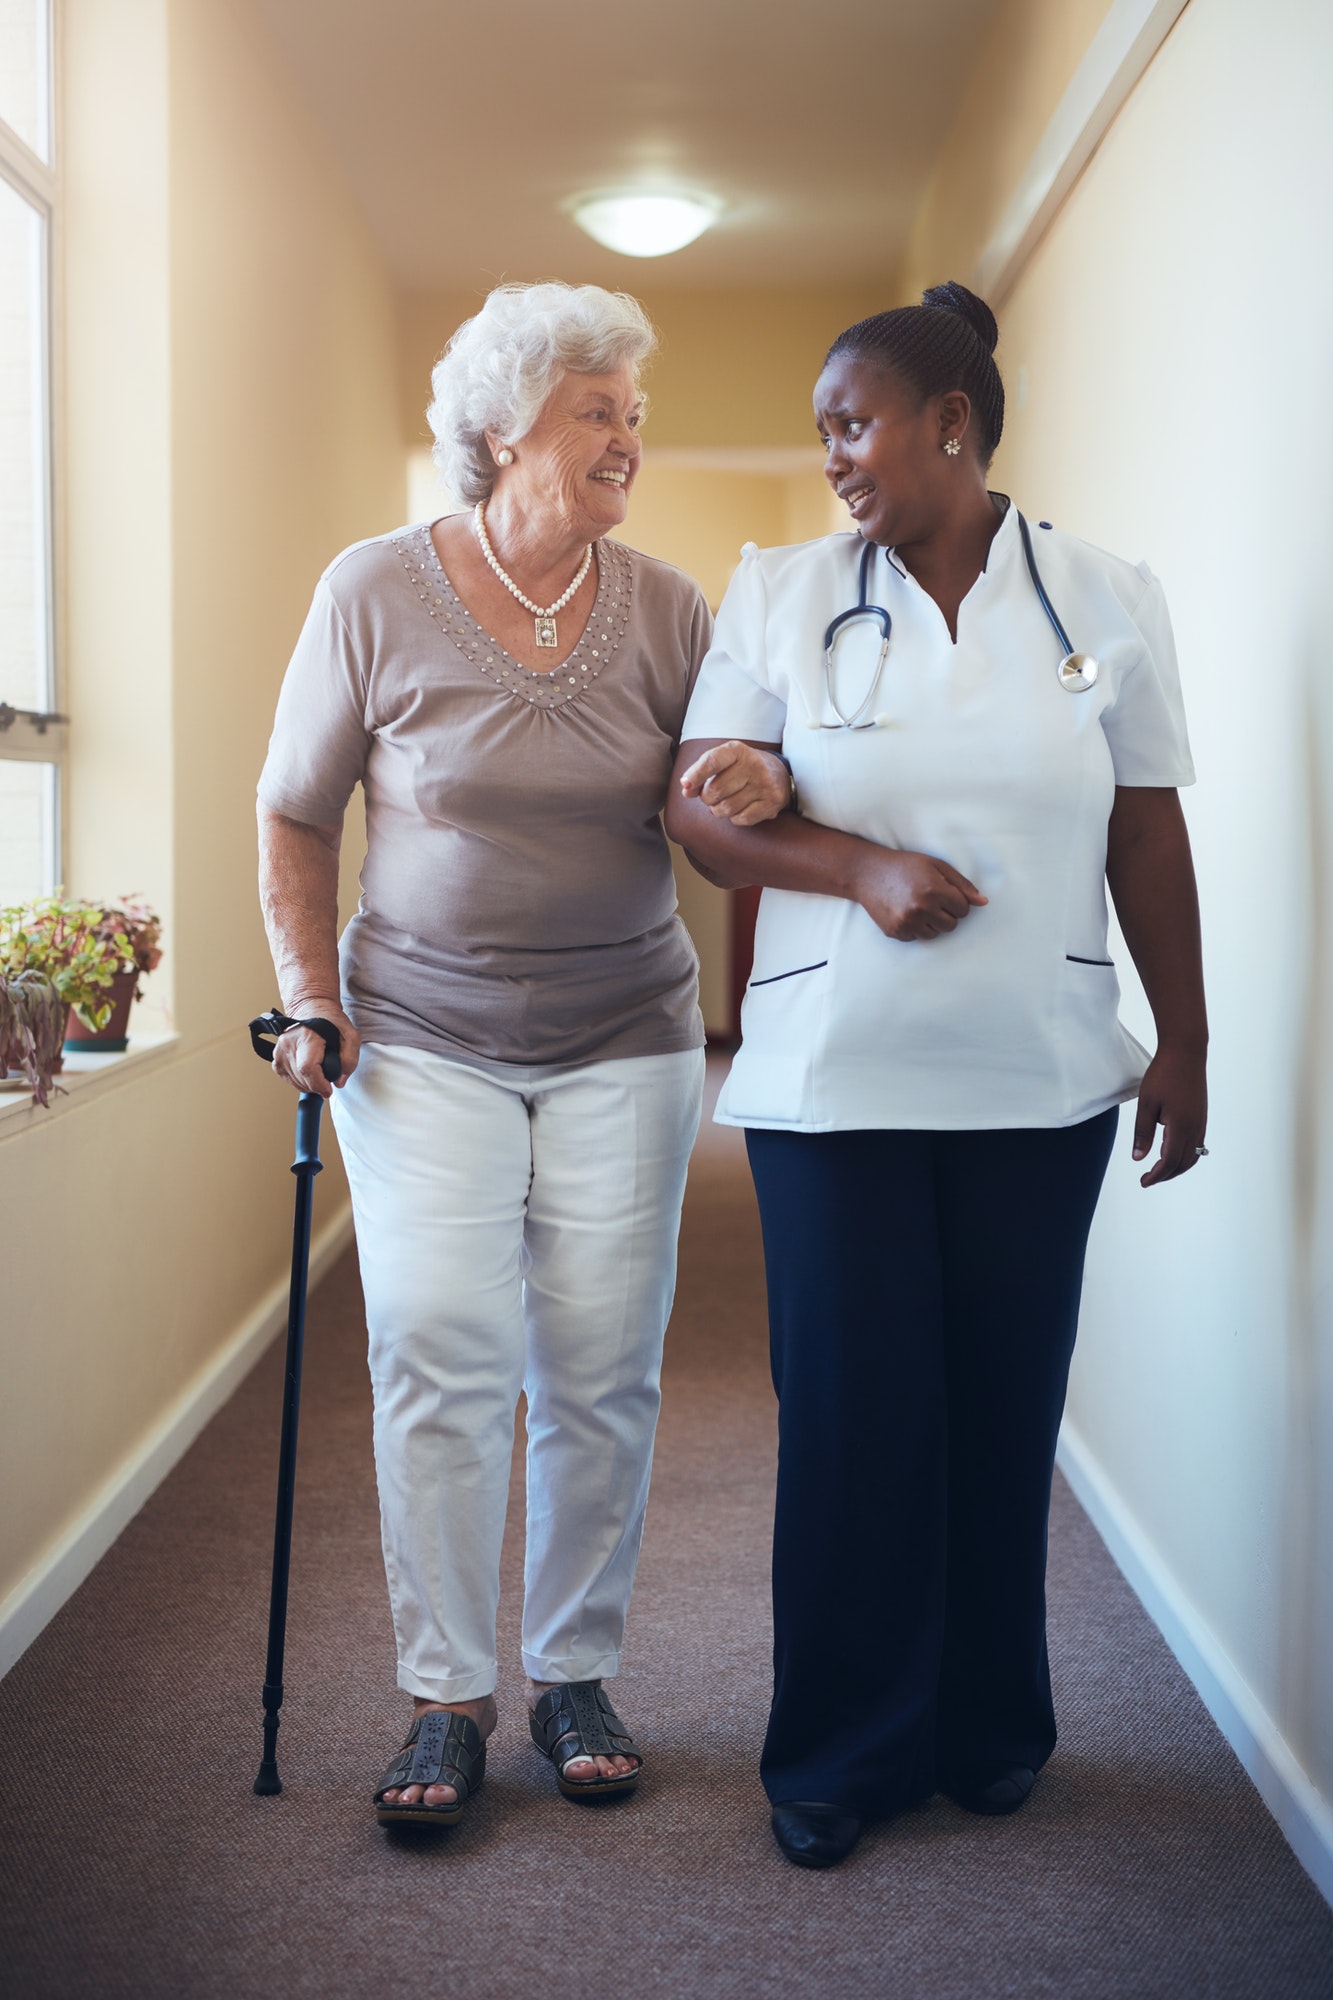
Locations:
(1076, 672)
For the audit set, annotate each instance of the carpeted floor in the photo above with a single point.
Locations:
(136, 1863)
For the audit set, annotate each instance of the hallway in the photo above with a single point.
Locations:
(137, 1865)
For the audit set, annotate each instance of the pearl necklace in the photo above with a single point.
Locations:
(544, 619)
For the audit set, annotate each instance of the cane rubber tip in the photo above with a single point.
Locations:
(268, 1783)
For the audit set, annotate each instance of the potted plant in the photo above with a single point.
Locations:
(135, 931)
(32, 1026)
(65, 942)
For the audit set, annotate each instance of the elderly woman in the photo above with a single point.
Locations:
(522, 1050)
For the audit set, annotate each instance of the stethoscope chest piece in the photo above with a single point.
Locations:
(860, 718)
(1078, 672)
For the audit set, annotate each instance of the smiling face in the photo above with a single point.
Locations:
(580, 459)
(885, 450)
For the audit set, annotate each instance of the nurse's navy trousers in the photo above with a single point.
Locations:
(923, 1296)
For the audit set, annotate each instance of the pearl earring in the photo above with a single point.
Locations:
(505, 457)
(952, 447)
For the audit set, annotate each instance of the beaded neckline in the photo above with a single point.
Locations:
(561, 685)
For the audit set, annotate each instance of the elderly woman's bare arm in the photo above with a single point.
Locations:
(298, 892)
(741, 781)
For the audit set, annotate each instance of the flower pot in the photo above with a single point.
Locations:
(80, 1039)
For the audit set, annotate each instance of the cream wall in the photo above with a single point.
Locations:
(231, 418)
(698, 515)
(735, 368)
(1173, 330)
(1005, 101)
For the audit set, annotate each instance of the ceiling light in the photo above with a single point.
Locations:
(645, 225)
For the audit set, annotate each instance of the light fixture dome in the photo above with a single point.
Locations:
(644, 225)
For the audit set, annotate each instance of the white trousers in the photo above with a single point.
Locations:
(515, 1232)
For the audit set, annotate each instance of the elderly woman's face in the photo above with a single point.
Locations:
(582, 454)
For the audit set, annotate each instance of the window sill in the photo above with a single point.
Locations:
(83, 1077)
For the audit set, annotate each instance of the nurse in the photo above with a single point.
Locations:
(932, 1061)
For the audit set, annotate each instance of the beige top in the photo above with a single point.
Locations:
(517, 902)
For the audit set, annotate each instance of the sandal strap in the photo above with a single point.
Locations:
(442, 1748)
(576, 1720)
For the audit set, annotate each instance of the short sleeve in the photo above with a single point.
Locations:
(1145, 723)
(700, 639)
(732, 696)
(317, 752)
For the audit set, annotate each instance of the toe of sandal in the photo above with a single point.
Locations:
(576, 1720)
(442, 1748)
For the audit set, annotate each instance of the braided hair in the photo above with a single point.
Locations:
(947, 342)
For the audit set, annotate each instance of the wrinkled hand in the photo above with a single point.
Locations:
(914, 897)
(739, 783)
(297, 1055)
(1174, 1095)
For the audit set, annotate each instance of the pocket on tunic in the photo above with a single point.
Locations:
(772, 978)
(1100, 1060)
(782, 1031)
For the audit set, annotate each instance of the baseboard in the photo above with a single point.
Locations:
(1304, 1815)
(53, 1579)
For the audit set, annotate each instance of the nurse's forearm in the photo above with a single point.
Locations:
(912, 897)
(1151, 876)
(784, 853)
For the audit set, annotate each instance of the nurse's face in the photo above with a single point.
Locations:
(885, 454)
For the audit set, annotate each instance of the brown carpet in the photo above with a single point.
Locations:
(135, 1862)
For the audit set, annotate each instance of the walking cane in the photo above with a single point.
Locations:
(264, 1033)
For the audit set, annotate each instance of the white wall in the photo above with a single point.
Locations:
(1174, 333)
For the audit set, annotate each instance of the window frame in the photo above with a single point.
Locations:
(41, 736)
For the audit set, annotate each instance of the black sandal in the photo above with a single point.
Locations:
(442, 1748)
(575, 1720)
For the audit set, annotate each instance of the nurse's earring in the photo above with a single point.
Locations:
(952, 447)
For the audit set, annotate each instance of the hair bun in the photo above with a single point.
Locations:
(955, 298)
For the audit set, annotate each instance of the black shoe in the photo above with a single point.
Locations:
(815, 1835)
(993, 1791)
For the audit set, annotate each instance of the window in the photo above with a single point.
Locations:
(32, 731)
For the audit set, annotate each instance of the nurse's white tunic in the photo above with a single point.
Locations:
(983, 760)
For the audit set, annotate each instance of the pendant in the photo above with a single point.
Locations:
(546, 632)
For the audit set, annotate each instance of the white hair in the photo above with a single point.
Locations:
(500, 367)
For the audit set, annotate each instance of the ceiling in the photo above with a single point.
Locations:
(462, 127)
